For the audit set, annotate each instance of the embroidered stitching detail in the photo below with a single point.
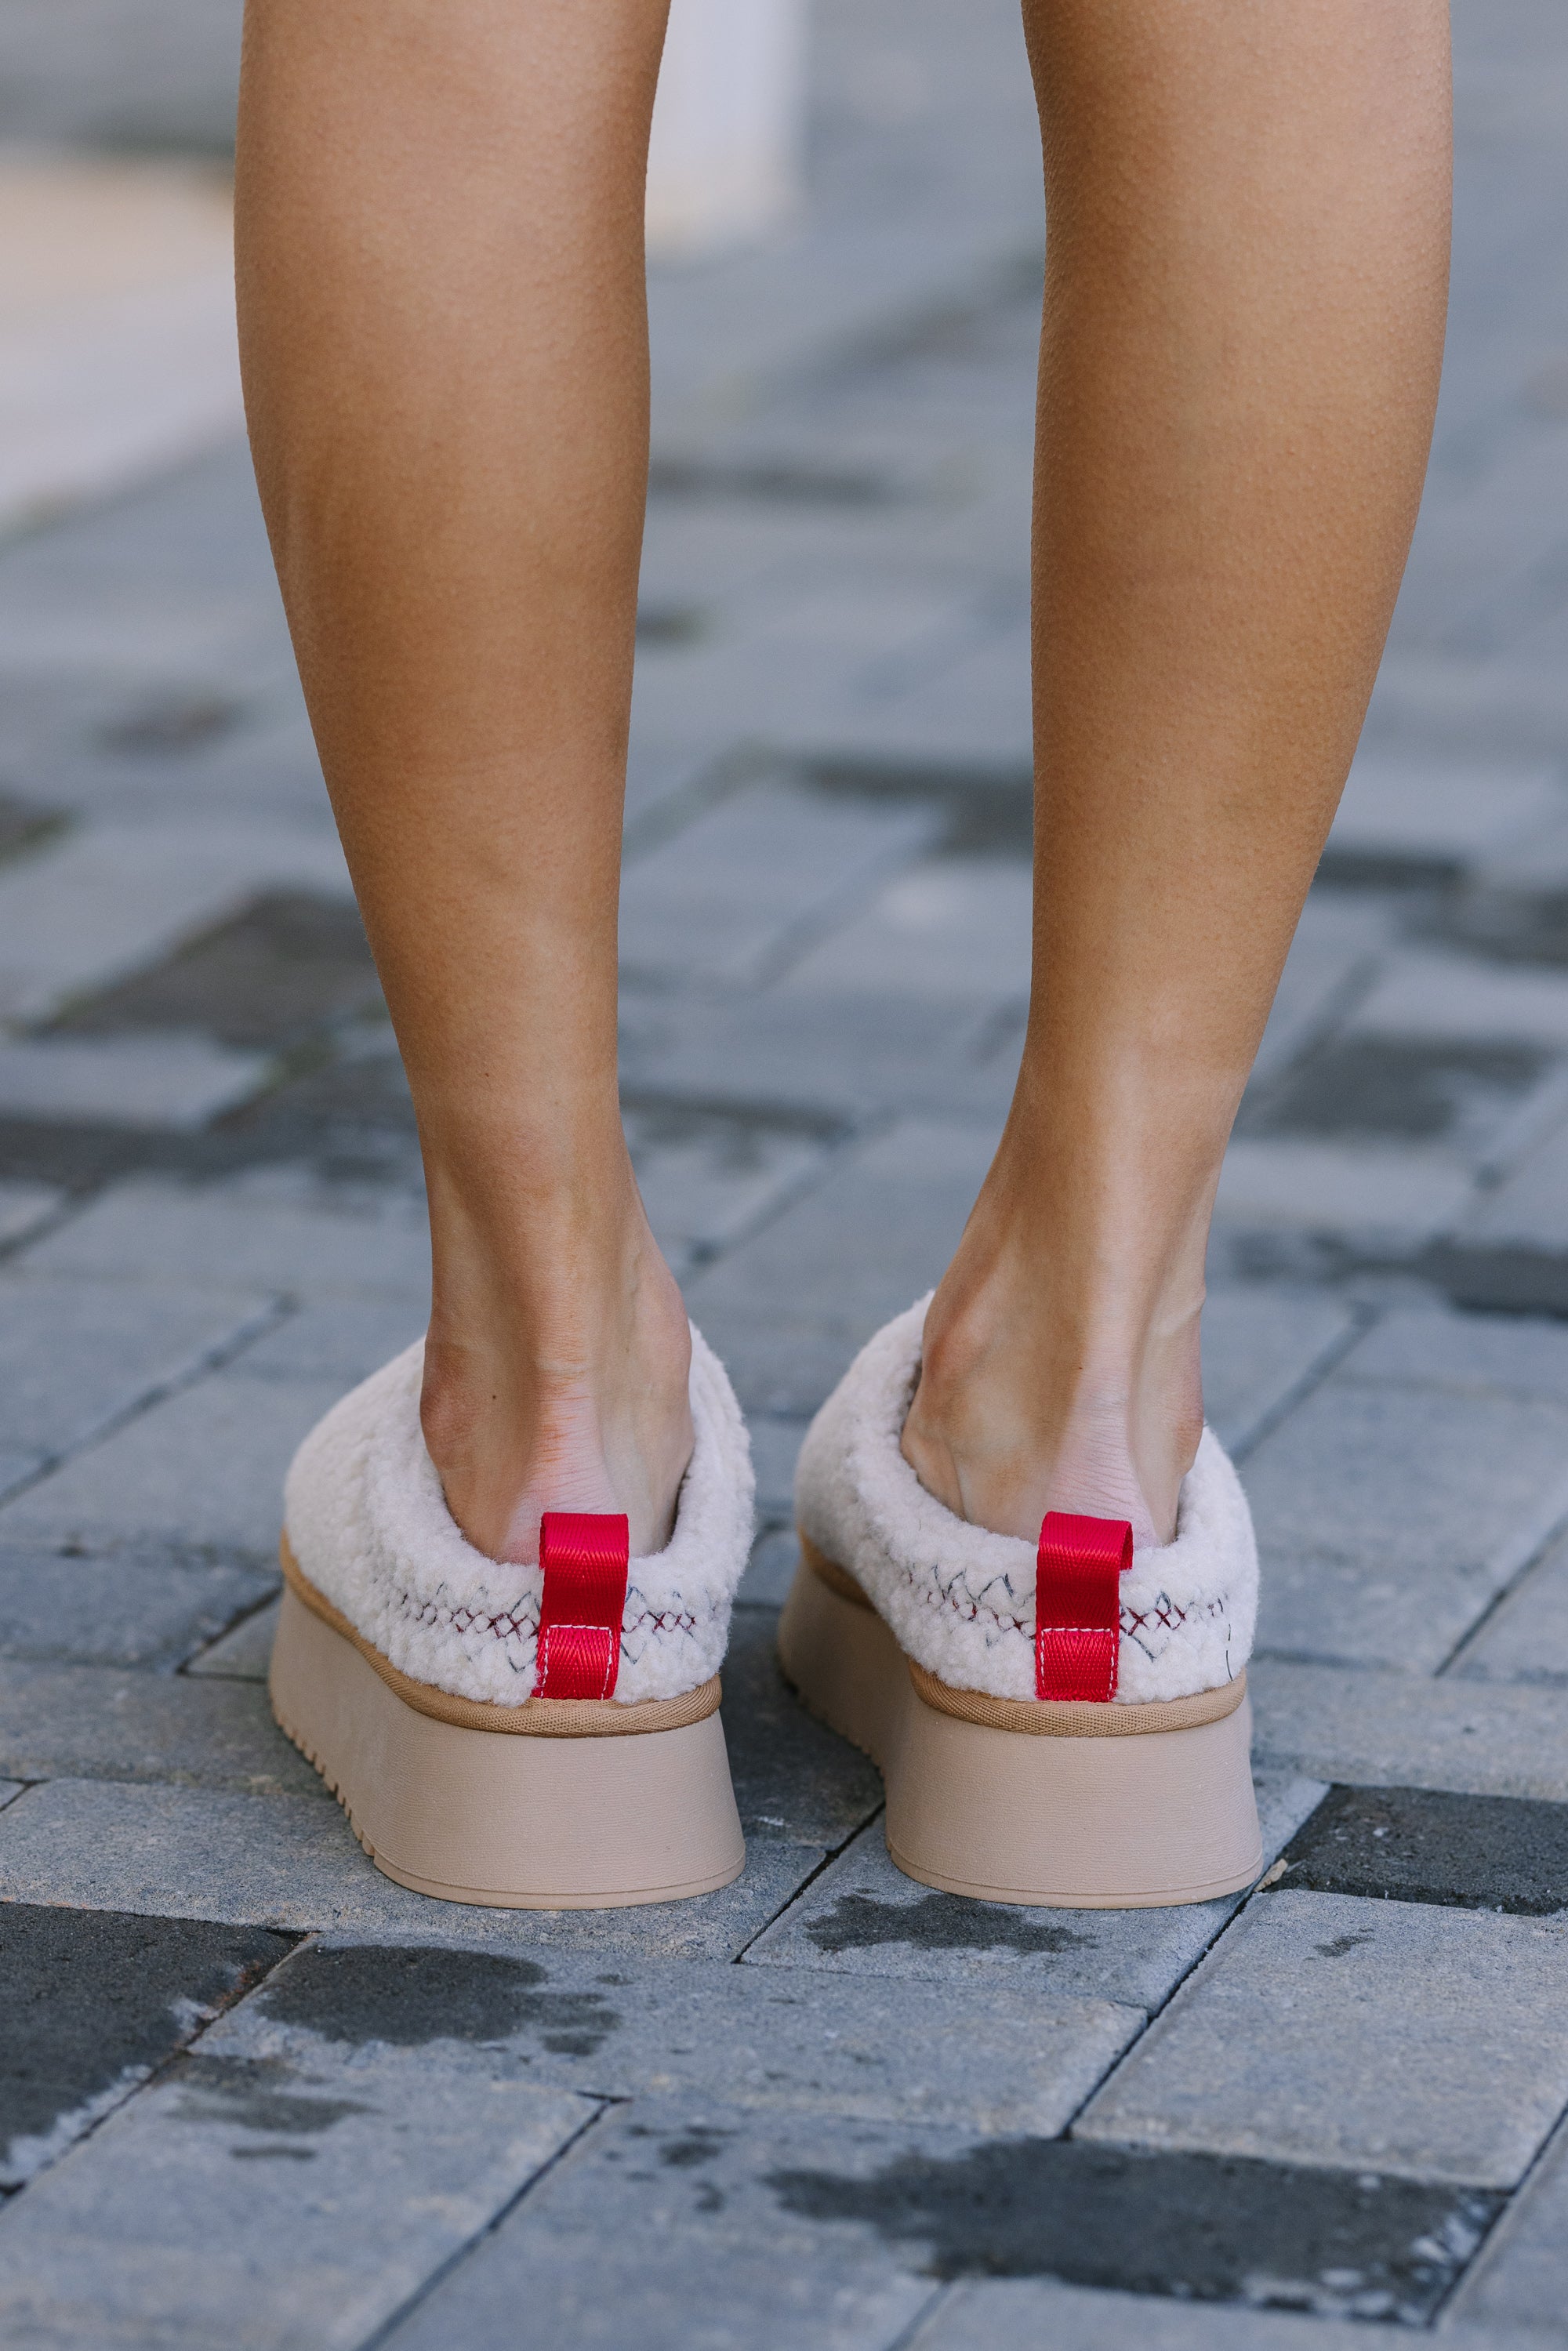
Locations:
(431, 1616)
(1163, 1615)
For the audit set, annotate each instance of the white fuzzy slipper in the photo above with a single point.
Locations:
(1063, 1723)
(543, 1737)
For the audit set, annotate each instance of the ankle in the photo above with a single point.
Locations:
(556, 1375)
(1028, 1401)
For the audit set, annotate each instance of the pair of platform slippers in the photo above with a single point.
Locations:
(1065, 1724)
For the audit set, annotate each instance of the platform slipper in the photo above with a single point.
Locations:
(532, 1738)
(1063, 1724)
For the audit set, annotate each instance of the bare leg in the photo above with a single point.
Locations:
(445, 338)
(1245, 296)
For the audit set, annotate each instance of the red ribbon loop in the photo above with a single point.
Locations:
(1078, 1604)
(584, 1555)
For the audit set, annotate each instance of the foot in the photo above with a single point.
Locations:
(1015, 1414)
(566, 1392)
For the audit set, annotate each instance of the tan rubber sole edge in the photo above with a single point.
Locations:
(1072, 1820)
(532, 1718)
(1043, 1717)
(485, 1817)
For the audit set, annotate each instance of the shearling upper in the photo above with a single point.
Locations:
(962, 1601)
(369, 1527)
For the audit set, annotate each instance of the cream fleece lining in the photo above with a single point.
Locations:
(961, 1600)
(369, 1528)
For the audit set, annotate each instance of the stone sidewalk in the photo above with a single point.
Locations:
(255, 2094)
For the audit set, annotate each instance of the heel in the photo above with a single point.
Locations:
(1121, 1818)
(505, 1819)
(1164, 1816)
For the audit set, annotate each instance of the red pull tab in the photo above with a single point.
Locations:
(584, 1556)
(1078, 1604)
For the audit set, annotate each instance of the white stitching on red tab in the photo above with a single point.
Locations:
(609, 1650)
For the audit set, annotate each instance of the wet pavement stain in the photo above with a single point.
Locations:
(1196, 2227)
(407, 1996)
(937, 1922)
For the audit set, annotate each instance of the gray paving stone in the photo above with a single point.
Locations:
(1384, 1196)
(1259, 1346)
(863, 1916)
(788, 1309)
(701, 2252)
(1422, 808)
(1332, 958)
(23, 1206)
(1381, 2035)
(1428, 995)
(783, 2234)
(180, 1083)
(1528, 1209)
(696, 2027)
(1421, 1845)
(1467, 1353)
(706, 1181)
(110, 897)
(93, 2002)
(1388, 1516)
(127, 1608)
(952, 928)
(770, 1570)
(1023, 2314)
(846, 1057)
(1517, 2282)
(243, 1655)
(232, 1234)
(343, 1339)
(9, 1791)
(1526, 1637)
(291, 1862)
(62, 1722)
(1396, 1730)
(204, 1466)
(246, 2199)
(793, 1778)
(73, 1353)
(775, 1449)
(728, 897)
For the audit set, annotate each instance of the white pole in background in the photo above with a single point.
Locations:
(725, 162)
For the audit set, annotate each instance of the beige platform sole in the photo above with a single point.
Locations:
(1076, 1807)
(561, 1809)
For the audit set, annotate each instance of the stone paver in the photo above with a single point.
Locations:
(151, 1231)
(74, 1355)
(706, 2253)
(794, 2236)
(1373, 1492)
(700, 2028)
(1423, 1845)
(1395, 1729)
(180, 1852)
(1015, 2314)
(89, 2016)
(1518, 2280)
(1384, 2035)
(60, 1722)
(863, 1916)
(128, 1607)
(1526, 1638)
(204, 1467)
(246, 2197)
(242, 1653)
